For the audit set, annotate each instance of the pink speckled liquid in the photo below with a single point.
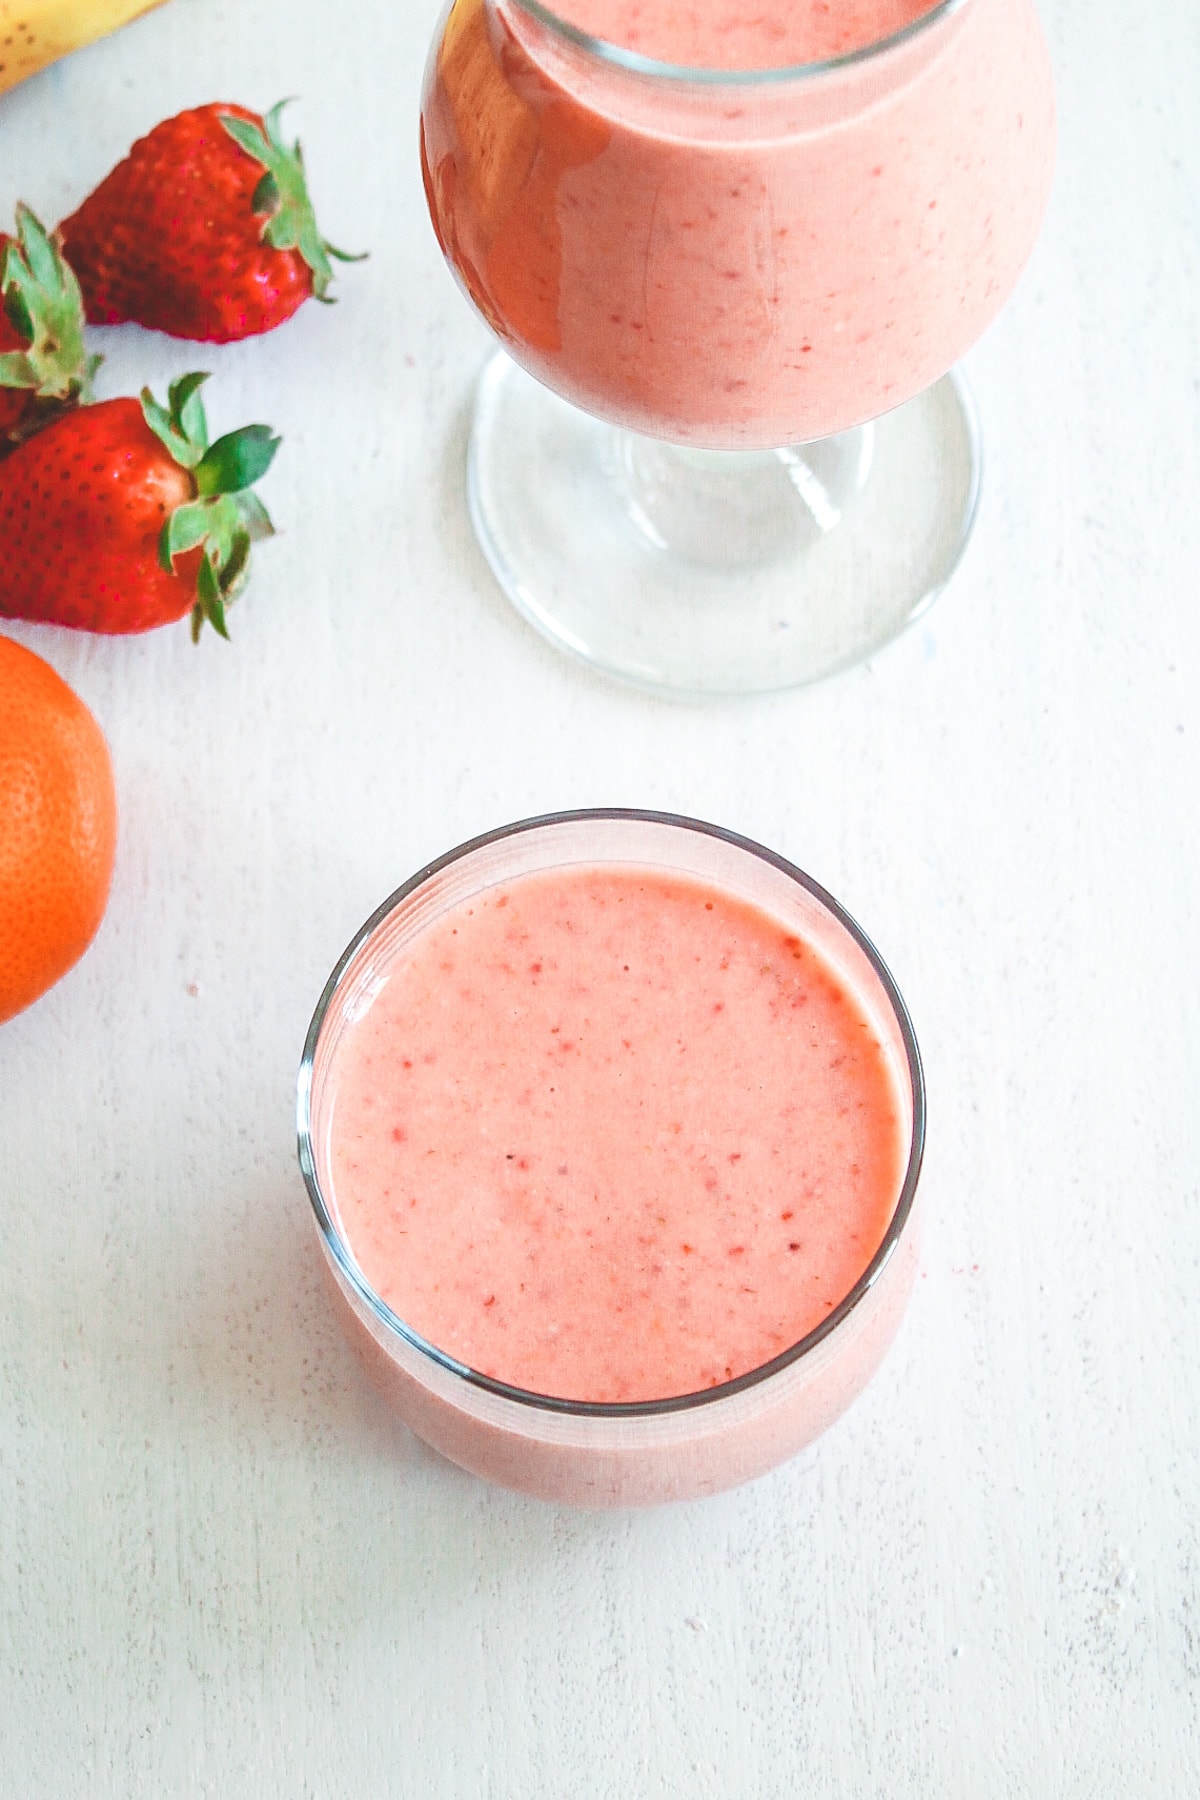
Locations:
(731, 34)
(613, 1134)
(612, 1124)
(739, 264)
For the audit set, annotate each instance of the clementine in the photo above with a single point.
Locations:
(58, 827)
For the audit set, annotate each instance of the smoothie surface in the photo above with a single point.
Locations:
(729, 34)
(613, 1134)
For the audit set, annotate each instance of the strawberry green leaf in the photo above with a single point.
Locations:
(16, 370)
(249, 136)
(187, 408)
(264, 201)
(282, 197)
(43, 304)
(45, 266)
(237, 460)
(185, 530)
(186, 453)
(223, 526)
(15, 309)
(254, 517)
(274, 119)
(210, 603)
(233, 577)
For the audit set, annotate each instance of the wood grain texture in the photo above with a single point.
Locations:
(223, 1570)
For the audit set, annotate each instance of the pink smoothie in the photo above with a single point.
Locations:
(612, 1133)
(739, 264)
(731, 34)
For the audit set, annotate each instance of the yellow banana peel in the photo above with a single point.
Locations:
(35, 33)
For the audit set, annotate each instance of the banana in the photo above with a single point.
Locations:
(34, 33)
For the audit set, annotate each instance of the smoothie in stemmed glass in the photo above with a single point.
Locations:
(730, 239)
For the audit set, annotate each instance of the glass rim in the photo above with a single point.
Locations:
(634, 63)
(605, 1409)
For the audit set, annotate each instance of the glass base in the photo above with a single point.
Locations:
(712, 571)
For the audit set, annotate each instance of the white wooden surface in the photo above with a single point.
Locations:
(223, 1569)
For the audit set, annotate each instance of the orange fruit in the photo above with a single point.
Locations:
(58, 827)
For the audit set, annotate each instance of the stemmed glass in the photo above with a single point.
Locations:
(721, 450)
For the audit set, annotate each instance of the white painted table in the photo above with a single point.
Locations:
(224, 1570)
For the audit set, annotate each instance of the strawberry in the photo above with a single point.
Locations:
(44, 367)
(205, 230)
(121, 516)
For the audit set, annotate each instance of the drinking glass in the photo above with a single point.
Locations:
(595, 1453)
(721, 450)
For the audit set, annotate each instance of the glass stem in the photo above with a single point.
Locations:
(724, 508)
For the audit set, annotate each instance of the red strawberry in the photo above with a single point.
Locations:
(121, 516)
(204, 231)
(44, 367)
